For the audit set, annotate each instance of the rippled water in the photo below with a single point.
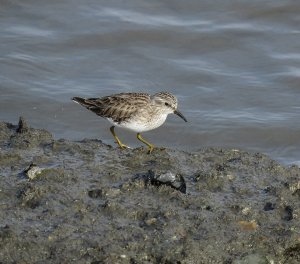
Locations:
(234, 65)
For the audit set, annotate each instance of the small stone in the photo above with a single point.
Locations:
(230, 177)
(246, 211)
(151, 221)
(248, 225)
(32, 171)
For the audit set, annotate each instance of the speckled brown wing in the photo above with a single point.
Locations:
(118, 107)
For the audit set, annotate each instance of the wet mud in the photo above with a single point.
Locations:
(87, 202)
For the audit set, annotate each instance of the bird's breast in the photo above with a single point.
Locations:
(141, 123)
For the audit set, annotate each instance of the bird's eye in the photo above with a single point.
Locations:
(167, 104)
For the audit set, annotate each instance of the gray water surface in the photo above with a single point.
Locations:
(234, 65)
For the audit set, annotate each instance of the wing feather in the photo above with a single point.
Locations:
(118, 107)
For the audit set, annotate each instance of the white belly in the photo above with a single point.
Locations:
(138, 126)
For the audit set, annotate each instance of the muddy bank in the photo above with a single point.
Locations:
(88, 202)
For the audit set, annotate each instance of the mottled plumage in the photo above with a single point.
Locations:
(138, 112)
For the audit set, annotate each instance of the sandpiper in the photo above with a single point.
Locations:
(138, 112)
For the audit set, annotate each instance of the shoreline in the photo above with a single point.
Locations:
(92, 203)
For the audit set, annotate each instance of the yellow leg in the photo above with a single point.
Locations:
(121, 145)
(150, 146)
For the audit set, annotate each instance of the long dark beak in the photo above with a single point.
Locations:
(176, 112)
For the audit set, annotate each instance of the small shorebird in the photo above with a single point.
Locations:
(138, 112)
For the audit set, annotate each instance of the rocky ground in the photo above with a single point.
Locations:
(86, 202)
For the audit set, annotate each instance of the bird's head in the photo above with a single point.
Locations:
(168, 102)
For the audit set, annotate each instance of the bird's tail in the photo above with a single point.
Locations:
(78, 100)
(82, 101)
(92, 104)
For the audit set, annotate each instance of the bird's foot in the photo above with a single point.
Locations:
(123, 146)
(150, 149)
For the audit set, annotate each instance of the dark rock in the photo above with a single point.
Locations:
(26, 137)
(87, 206)
(292, 254)
(22, 126)
(287, 213)
(95, 193)
(168, 178)
(269, 206)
